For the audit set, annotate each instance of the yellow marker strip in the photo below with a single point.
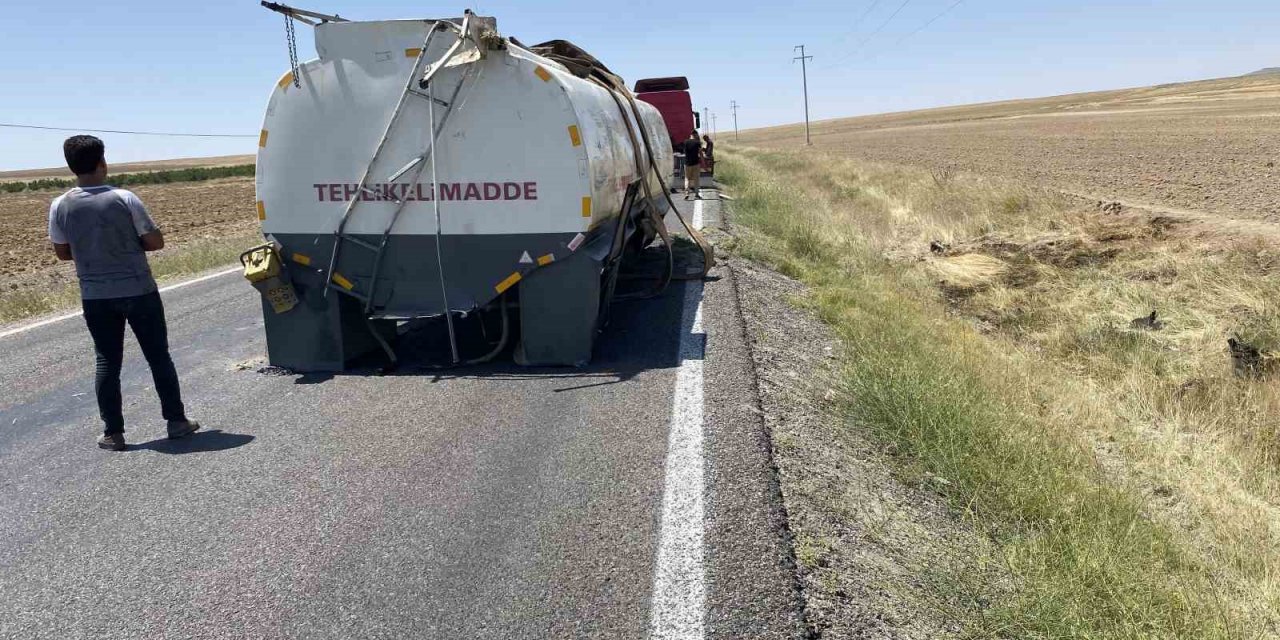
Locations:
(508, 282)
(413, 53)
(302, 259)
(542, 73)
(586, 206)
(574, 135)
(262, 211)
(342, 282)
(262, 138)
(546, 260)
(285, 80)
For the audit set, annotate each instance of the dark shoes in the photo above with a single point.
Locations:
(182, 428)
(177, 429)
(114, 441)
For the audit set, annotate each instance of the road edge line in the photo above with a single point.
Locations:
(678, 608)
(48, 321)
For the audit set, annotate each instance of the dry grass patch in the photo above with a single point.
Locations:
(187, 259)
(994, 331)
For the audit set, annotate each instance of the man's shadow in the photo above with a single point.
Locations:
(198, 442)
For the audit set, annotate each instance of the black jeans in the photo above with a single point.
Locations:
(145, 315)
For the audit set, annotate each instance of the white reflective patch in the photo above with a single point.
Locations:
(525, 258)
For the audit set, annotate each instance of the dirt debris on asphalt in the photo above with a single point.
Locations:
(869, 540)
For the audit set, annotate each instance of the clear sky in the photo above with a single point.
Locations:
(209, 66)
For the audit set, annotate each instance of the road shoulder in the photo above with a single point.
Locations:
(867, 537)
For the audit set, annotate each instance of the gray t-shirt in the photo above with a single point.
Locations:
(104, 225)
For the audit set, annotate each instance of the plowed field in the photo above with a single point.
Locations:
(1211, 146)
(187, 212)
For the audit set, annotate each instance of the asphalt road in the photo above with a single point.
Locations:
(488, 502)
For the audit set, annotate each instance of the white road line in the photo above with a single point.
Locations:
(49, 321)
(697, 215)
(679, 591)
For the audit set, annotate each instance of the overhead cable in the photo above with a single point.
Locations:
(865, 40)
(854, 28)
(929, 22)
(132, 133)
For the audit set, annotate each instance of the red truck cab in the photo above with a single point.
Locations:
(670, 96)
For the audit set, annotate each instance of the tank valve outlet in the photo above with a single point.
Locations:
(264, 269)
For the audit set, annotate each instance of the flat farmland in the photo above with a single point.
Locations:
(1211, 146)
(131, 167)
(190, 213)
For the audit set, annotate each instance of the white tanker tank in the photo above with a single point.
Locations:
(524, 198)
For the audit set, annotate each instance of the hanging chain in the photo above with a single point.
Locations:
(293, 49)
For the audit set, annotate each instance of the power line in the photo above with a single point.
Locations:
(929, 22)
(873, 34)
(923, 26)
(133, 133)
(854, 28)
(883, 24)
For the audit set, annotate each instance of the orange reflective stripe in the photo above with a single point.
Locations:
(508, 282)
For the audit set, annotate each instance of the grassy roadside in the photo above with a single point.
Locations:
(1127, 477)
(188, 259)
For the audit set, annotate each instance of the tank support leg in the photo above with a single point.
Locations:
(559, 305)
(321, 334)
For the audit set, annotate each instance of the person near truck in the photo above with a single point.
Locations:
(107, 231)
(709, 155)
(691, 149)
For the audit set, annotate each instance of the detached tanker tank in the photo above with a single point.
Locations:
(536, 179)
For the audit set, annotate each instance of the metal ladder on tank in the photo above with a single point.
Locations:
(333, 278)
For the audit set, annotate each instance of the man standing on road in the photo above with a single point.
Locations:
(692, 150)
(107, 231)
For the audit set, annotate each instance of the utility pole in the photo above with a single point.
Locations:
(713, 125)
(706, 117)
(804, 75)
(733, 104)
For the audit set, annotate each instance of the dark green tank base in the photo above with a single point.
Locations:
(320, 334)
(559, 307)
(558, 302)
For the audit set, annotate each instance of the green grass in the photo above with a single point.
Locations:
(192, 258)
(194, 174)
(1083, 558)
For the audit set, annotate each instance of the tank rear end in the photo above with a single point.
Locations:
(527, 176)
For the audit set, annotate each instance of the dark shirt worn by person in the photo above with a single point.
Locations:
(692, 150)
